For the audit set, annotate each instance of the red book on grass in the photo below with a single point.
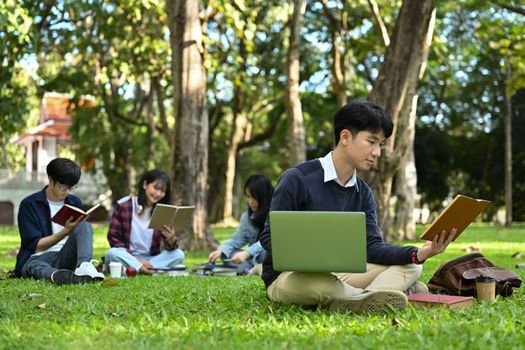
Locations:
(68, 211)
(435, 300)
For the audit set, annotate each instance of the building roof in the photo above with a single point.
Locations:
(55, 118)
(55, 107)
(51, 128)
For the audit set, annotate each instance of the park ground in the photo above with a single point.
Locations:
(233, 312)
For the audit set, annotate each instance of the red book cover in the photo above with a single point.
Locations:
(67, 211)
(431, 300)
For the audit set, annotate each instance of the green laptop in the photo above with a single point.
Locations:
(318, 241)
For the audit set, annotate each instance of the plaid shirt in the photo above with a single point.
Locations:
(120, 230)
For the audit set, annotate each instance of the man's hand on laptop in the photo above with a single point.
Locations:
(436, 246)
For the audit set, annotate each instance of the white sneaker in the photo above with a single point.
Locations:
(417, 287)
(255, 270)
(87, 269)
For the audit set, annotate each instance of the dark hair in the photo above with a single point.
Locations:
(149, 177)
(261, 190)
(358, 116)
(64, 170)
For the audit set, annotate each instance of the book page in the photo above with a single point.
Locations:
(182, 217)
(163, 214)
(74, 208)
(92, 209)
(458, 214)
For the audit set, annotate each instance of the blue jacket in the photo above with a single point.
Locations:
(34, 222)
(246, 233)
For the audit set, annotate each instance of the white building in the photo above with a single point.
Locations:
(41, 145)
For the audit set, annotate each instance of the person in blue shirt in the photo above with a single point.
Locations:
(258, 190)
(49, 251)
(331, 183)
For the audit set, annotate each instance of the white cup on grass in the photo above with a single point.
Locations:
(115, 269)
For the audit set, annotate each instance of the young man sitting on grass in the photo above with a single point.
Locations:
(49, 251)
(331, 184)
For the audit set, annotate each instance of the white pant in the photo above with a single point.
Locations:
(165, 259)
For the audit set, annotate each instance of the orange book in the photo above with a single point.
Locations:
(67, 211)
(436, 300)
(458, 214)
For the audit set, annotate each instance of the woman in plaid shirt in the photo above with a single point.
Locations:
(132, 242)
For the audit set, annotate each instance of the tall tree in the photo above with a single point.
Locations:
(190, 153)
(406, 179)
(508, 149)
(237, 133)
(401, 68)
(244, 87)
(465, 108)
(513, 50)
(243, 26)
(293, 101)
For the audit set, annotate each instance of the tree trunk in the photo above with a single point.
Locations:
(190, 153)
(406, 179)
(230, 171)
(236, 136)
(508, 152)
(115, 162)
(401, 67)
(297, 146)
(379, 21)
(117, 171)
(5, 164)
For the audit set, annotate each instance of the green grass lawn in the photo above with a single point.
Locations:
(233, 312)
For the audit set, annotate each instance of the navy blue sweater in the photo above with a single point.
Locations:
(303, 188)
(34, 223)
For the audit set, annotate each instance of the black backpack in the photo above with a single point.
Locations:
(458, 276)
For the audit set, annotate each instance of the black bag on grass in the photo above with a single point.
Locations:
(458, 276)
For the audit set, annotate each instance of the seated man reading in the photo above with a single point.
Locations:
(331, 184)
(60, 254)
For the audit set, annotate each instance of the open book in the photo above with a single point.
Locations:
(68, 211)
(432, 300)
(165, 214)
(458, 214)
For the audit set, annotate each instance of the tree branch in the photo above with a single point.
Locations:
(515, 9)
(329, 15)
(164, 128)
(216, 115)
(266, 134)
(113, 111)
(379, 21)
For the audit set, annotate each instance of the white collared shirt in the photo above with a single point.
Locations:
(330, 174)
